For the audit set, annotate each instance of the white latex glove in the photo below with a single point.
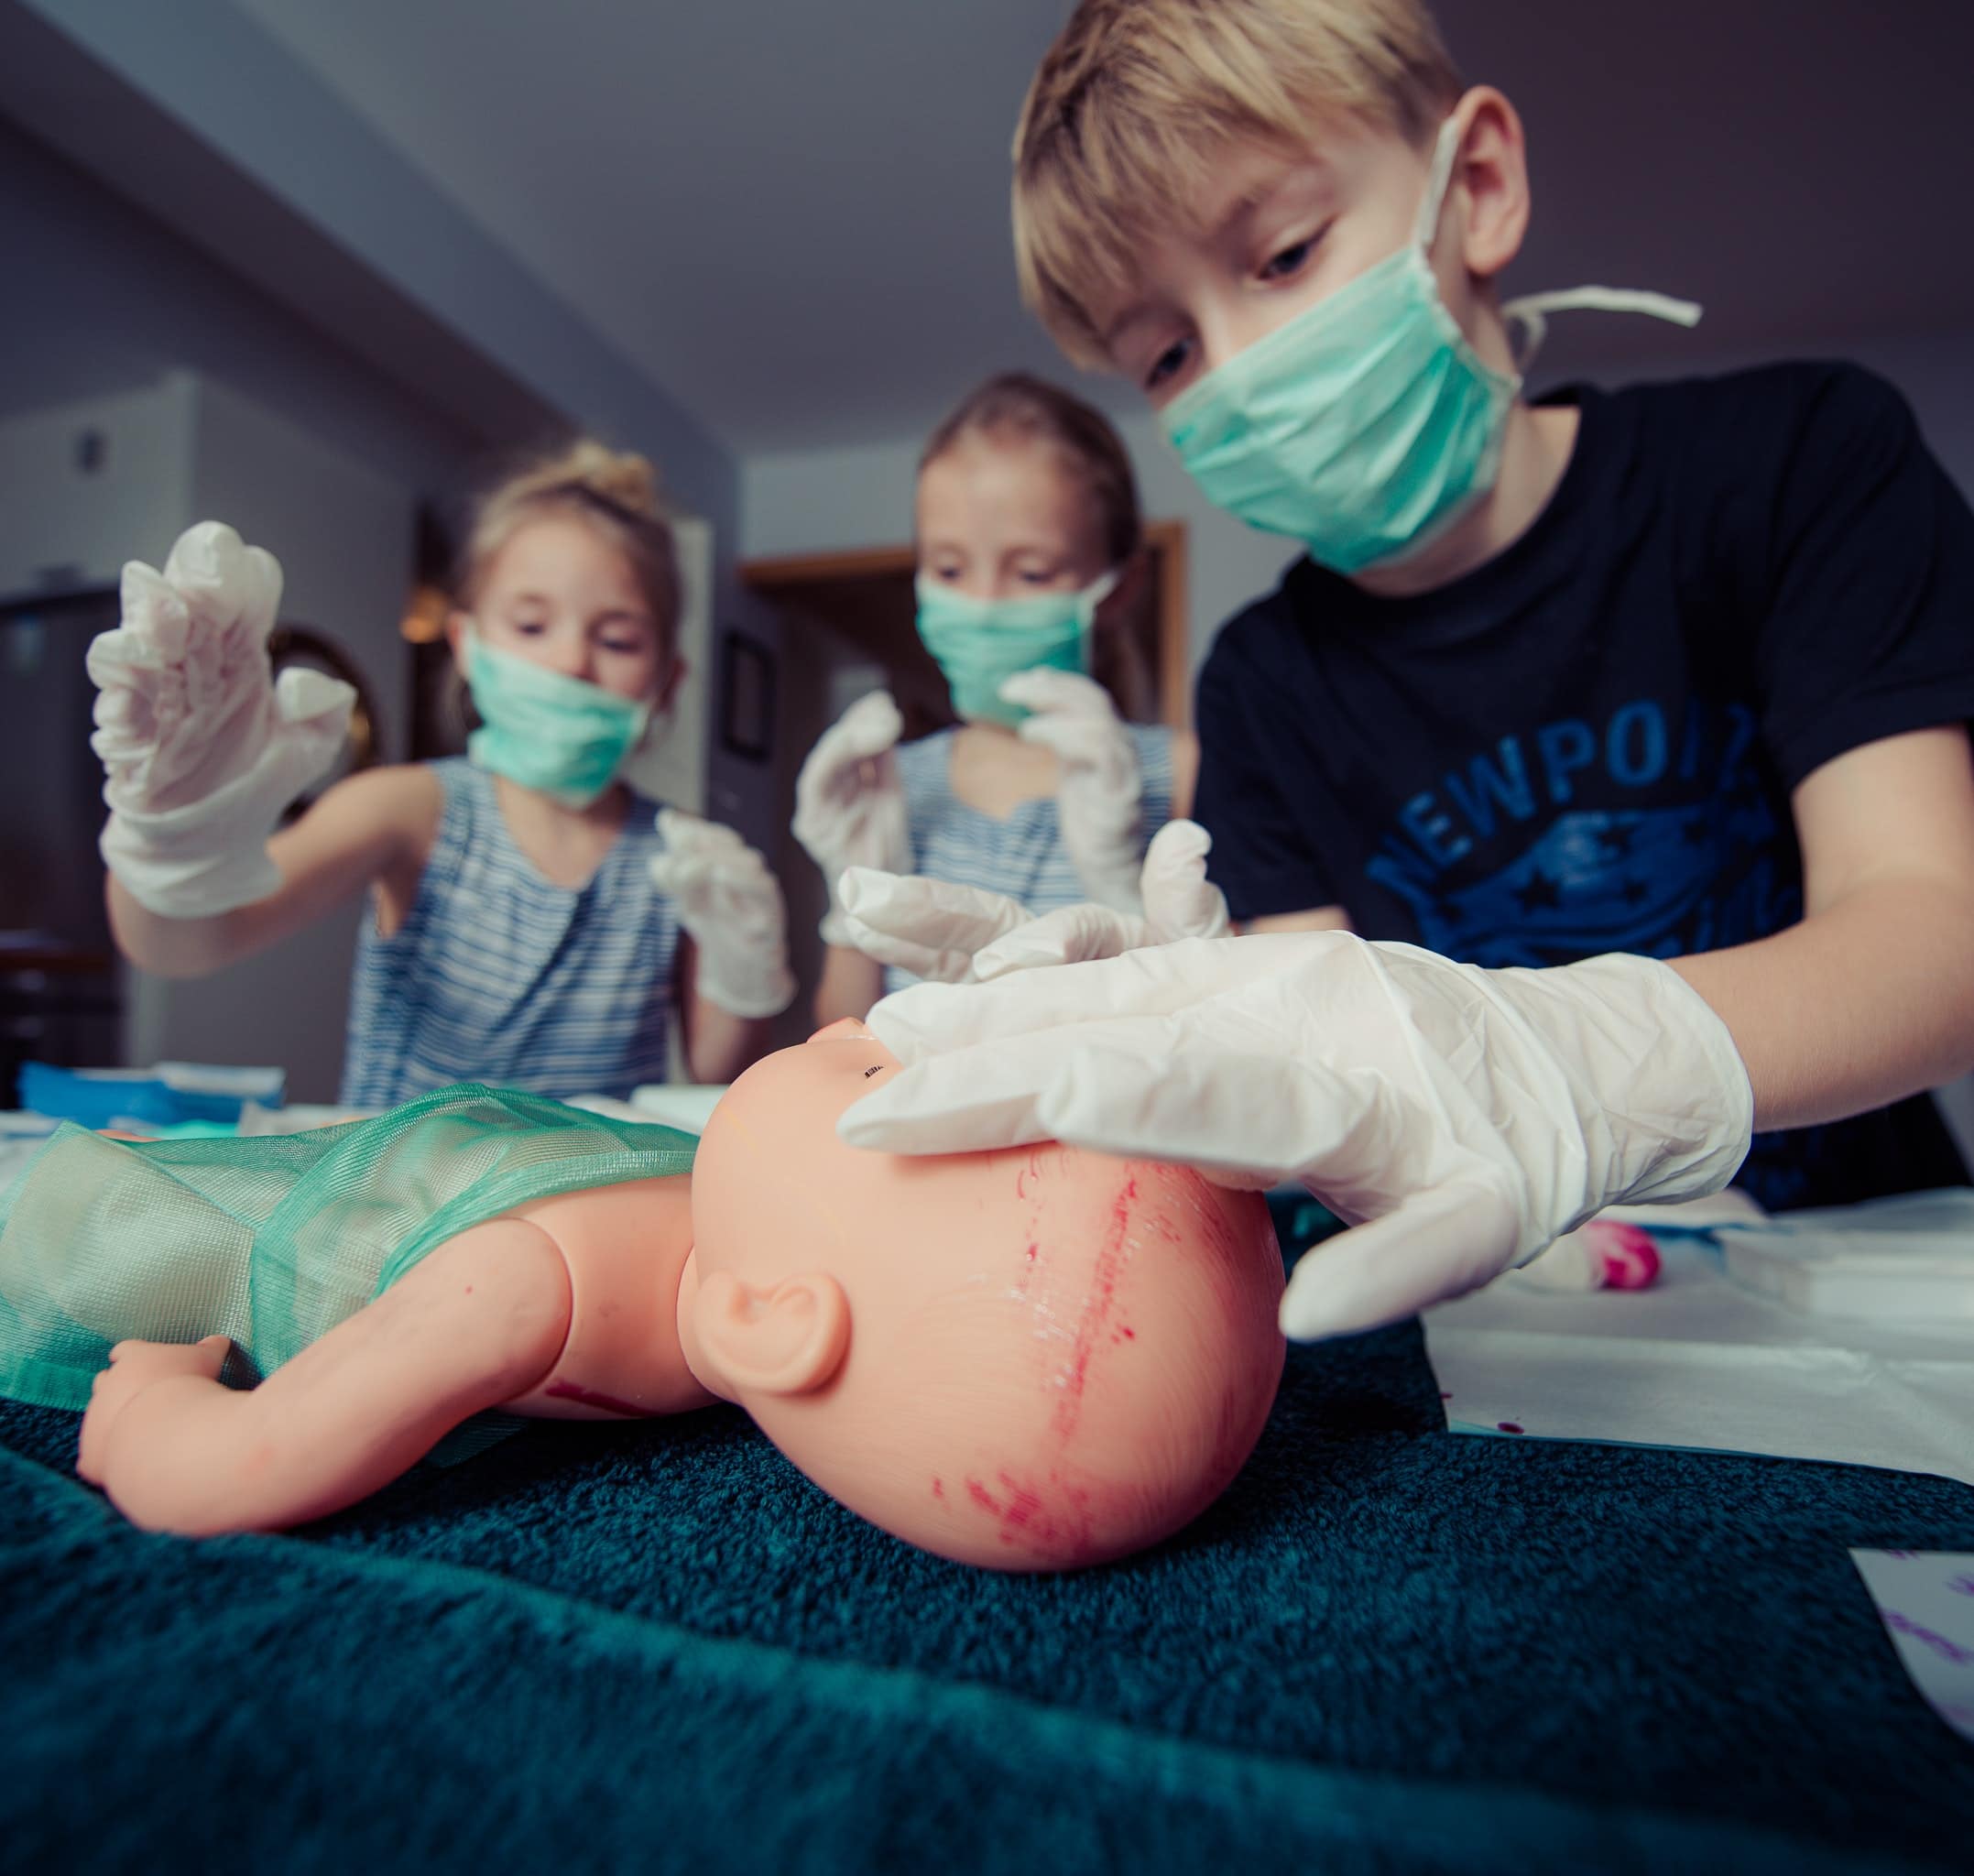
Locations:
(1460, 1118)
(959, 934)
(731, 907)
(1100, 798)
(202, 748)
(849, 802)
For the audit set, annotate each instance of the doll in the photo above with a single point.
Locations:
(1035, 1359)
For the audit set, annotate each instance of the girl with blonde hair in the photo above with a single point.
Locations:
(532, 923)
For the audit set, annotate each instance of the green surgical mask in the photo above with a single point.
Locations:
(1366, 425)
(546, 731)
(980, 644)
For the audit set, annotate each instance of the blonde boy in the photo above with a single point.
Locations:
(1680, 672)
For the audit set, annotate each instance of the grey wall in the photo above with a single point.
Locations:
(99, 297)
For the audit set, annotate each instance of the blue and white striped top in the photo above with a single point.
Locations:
(1022, 856)
(498, 976)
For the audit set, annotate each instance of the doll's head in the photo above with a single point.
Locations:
(1034, 1358)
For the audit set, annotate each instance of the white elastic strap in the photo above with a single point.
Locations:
(1435, 198)
(1529, 314)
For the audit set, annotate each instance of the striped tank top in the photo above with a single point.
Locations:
(1022, 856)
(498, 976)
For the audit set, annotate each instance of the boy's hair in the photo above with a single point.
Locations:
(613, 491)
(1137, 97)
(1014, 404)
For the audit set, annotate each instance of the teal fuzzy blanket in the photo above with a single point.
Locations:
(659, 1648)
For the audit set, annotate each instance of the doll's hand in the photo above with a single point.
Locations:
(957, 934)
(849, 802)
(202, 748)
(1100, 800)
(731, 906)
(134, 1368)
(1460, 1118)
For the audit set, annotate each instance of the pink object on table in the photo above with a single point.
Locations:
(1629, 1257)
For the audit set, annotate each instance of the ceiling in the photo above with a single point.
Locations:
(792, 217)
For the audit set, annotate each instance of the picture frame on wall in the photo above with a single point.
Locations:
(747, 697)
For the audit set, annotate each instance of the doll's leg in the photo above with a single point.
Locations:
(476, 1324)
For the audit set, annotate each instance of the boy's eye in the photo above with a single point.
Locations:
(622, 644)
(1035, 576)
(1168, 361)
(1290, 261)
(530, 628)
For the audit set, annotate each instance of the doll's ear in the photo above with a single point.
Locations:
(787, 1340)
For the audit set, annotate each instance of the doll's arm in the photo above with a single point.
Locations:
(478, 1323)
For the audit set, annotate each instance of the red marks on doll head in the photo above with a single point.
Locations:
(589, 1397)
(1059, 1530)
(1094, 1316)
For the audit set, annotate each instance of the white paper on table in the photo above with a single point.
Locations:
(685, 1104)
(1926, 1600)
(1697, 1361)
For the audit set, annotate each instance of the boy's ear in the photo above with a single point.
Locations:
(1492, 171)
(788, 1340)
(457, 624)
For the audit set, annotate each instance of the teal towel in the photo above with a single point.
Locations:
(659, 1648)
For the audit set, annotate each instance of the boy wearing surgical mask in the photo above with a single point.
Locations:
(1640, 717)
(1029, 551)
(531, 924)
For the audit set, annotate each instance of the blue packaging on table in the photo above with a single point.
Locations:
(165, 1095)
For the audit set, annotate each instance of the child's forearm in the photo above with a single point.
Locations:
(851, 983)
(178, 947)
(719, 1044)
(1865, 1002)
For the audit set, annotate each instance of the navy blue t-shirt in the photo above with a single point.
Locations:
(1588, 744)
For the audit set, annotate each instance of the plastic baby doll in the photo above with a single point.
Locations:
(1028, 1359)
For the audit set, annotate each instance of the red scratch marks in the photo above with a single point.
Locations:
(939, 1490)
(570, 1391)
(1023, 1503)
(1032, 1170)
(1130, 1333)
(1020, 1511)
(1096, 1306)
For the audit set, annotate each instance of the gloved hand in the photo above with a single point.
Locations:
(731, 907)
(203, 748)
(1100, 798)
(1459, 1118)
(958, 934)
(849, 802)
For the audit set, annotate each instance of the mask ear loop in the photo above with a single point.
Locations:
(1425, 230)
(1089, 601)
(1529, 326)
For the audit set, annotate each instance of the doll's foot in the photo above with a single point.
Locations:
(134, 1366)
